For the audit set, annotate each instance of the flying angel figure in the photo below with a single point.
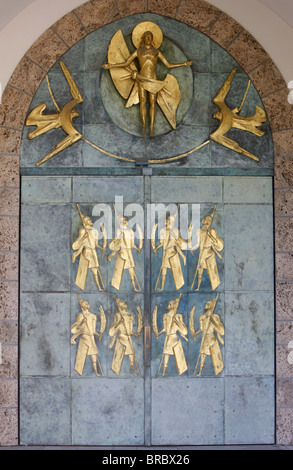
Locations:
(230, 118)
(134, 85)
(63, 119)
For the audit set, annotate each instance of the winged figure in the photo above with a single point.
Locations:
(62, 119)
(230, 118)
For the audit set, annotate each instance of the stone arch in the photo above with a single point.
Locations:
(16, 99)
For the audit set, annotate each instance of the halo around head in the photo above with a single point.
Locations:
(144, 26)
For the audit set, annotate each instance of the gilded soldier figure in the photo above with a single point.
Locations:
(212, 330)
(85, 327)
(123, 327)
(210, 245)
(172, 244)
(173, 325)
(122, 245)
(85, 246)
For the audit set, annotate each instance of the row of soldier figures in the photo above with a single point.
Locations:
(209, 243)
(122, 330)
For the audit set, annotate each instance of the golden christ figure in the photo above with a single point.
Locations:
(134, 85)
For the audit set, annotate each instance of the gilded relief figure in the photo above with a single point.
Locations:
(134, 85)
(230, 118)
(121, 331)
(173, 325)
(62, 119)
(122, 245)
(85, 246)
(212, 330)
(210, 245)
(85, 327)
(172, 245)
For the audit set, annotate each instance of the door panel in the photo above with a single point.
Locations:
(161, 395)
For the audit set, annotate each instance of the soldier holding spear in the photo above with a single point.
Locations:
(210, 326)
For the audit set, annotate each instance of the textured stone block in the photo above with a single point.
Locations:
(283, 172)
(9, 201)
(8, 393)
(27, 76)
(283, 203)
(284, 301)
(283, 142)
(127, 8)
(284, 266)
(10, 140)
(279, 111)
(284, 234)
(9, 266)
(9, 233)
(285, 393)
(8, 300)
(70, 29)
(9, 366)
(199, 14)
(267, 78)
(8, 427)
(96, 13)
(247, 51)
(13, 107)
(9, 170)
(224, 30)
(284, 426)
(283, 366)
(47, 49)
(8, 332)
(161, 7)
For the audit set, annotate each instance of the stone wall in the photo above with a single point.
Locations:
(15, 102)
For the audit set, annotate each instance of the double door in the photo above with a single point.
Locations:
(164, 282)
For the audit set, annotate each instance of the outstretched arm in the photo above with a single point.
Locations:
(122, 64)
(171, 66)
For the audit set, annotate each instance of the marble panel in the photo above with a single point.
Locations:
(198, 419)
(104, 189)
(249, 338)
(249, 410)
(45, 335)
(186, 189)
(45, 190)
(248, 190)
(104, 414)
(249, 247)
(45, 252)
(45, 411)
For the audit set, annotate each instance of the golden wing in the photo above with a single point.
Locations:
(118, 53)
(169, 98)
